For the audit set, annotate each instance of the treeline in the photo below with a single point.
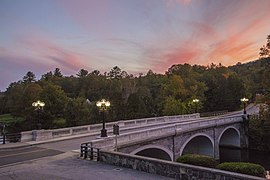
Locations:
(71, 100)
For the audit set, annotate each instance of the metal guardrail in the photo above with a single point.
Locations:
(10, 138)
(2, 139)
(89, 152)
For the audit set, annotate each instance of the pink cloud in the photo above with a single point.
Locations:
(47, 49)
(225, 32)
(184, 53)
(240, 43)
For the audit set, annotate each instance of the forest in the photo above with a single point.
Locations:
(71, 100)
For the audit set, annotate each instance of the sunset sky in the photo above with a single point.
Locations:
(136, 35)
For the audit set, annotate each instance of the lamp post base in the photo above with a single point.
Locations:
(103, 133)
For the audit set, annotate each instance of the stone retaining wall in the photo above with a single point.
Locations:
(170, 169)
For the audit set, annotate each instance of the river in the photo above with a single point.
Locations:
(245, 155)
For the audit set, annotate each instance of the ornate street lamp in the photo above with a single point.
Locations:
(103, 106)
(38, 106)
(244, 101)
(196, 101)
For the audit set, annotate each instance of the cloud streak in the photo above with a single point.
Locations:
(134, 35)
(52, 53)
(226, 32)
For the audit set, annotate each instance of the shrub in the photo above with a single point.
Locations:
(198, 160)
(59, 123)
(244, 168)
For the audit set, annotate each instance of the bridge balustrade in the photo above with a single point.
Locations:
(39, 135)
(168, 130)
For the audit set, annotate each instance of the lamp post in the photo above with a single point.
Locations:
(103, 106)
(244, 101)
(196, 101)
(38, 106)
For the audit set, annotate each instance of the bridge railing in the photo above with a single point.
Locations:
(164, 131)
(87, 151)
(39, 135)
(215, 113)
(10, 138)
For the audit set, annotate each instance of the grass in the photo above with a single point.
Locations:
(8, 118)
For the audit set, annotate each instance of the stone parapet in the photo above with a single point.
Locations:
(169, 169)
(62, 132)
(26, 136)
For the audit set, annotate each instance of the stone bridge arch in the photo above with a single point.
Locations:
(230, 136)
(199, 143)
(154, 151)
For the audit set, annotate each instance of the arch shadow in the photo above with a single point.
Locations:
(154, 151)
(198, 144)
(230, 136)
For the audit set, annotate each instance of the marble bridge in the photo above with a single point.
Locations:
(168, 141)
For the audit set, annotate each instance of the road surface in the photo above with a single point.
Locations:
(19, 155)
(68, 166)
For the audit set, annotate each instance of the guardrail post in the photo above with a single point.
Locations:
(4, 138)
(91, 153)
(85, 151)
(98, 155)
(82, 150)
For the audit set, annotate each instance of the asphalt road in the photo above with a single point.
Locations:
(68, 166)
(19, 155)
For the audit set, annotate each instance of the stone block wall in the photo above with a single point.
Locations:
(170, 169)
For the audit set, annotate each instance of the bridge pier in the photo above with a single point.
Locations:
(216, 145)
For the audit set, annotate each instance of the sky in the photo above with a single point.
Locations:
(135, 35)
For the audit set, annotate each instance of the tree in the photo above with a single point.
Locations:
(236, 91)
(82, 73)
(136, 107)
(3, 102)
(265, 49)
(77, 112)
(48, 76)
(29, 77)
(259, 126)
(57, 73)
(172, 106)
(264, 52)
(175, 87)
(115, 72)
(55, 101)
(95, 73)
(14, 96)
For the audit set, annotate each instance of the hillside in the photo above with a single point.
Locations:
(255, 74)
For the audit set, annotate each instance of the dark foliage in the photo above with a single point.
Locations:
(198, 160)
(244, 168)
